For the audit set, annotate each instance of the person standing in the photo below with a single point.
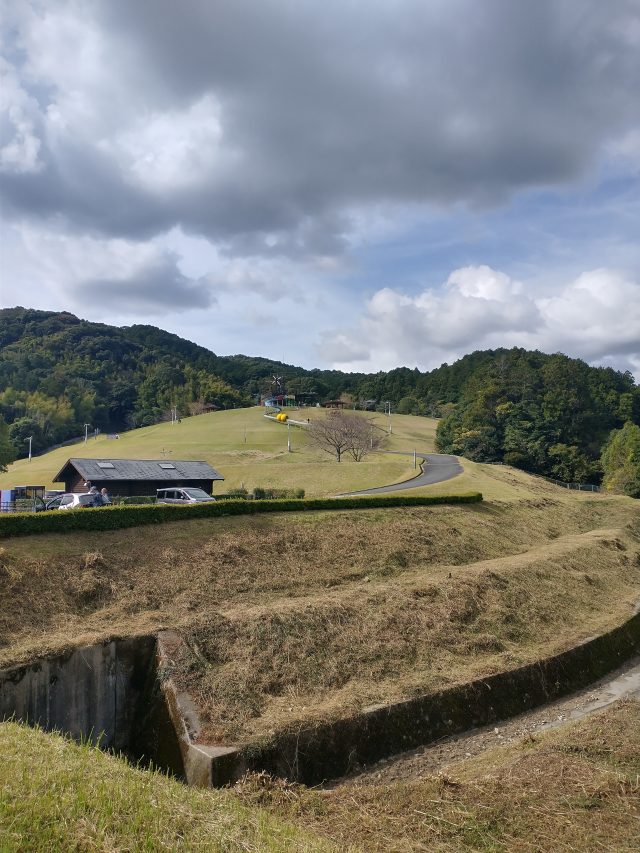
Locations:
(97, 497)
(106, 497)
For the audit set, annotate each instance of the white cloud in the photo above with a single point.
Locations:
(171, 150)
(19, 140)
(596, 317)
(124, 275)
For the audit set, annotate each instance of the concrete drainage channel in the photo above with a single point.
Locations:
(106, 694)
(120, 694)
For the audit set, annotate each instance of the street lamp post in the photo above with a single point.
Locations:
(30, 439)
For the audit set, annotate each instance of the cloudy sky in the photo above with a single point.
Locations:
(354, 183)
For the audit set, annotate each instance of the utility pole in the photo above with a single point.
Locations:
(86, 432)
(388, 403)
(415, 461)
(30, 439)
(288, 437)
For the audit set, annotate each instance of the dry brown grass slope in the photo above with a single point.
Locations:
(57, 591)
(300, 617)
(574, 789)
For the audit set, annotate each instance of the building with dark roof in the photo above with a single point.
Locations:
(136, 476)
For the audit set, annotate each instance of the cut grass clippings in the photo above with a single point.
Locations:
(576, 788)
(258, 670)
(61, 591)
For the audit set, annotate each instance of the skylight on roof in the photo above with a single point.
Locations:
(106, 465)
(166, 465)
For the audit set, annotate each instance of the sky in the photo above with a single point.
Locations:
(352, 184)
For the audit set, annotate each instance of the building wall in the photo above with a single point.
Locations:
(126, 488)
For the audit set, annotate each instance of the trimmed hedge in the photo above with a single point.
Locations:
(116, 517)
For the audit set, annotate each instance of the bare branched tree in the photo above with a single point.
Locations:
(341, 433)
(365, 437)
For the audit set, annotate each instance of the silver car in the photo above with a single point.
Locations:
(182, 496)
(74, 501)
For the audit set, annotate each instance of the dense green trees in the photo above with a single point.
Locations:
(545, 414)
(621, 461)
(58, 372)
(7, 449)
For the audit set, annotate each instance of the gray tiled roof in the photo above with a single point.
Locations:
(141, 469)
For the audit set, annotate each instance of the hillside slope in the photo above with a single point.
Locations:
(547, 414)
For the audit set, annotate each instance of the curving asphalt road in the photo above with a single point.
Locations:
(436, 467)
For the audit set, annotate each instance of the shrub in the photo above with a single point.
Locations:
(240, 492)
(260, 493)
(116, 517)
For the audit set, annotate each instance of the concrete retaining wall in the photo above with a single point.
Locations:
(329, 751)
(92, 693)
(313, 755)
(120, 693)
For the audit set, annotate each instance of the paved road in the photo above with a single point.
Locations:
(436, 467)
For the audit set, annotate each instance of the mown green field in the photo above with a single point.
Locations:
(248, 449)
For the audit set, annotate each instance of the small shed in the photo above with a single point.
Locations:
(136, 476)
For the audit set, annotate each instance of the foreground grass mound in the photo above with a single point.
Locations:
(573, 789)
(58, 796)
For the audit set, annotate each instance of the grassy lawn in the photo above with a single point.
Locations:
(248, 449)
(58, 796)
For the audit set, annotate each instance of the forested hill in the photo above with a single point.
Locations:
(545, 413)
(58, 372)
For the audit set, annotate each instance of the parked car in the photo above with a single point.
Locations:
(182, 496)
(54, 502)
(75, 501)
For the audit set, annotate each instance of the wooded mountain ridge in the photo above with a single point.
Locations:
(546, 413)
